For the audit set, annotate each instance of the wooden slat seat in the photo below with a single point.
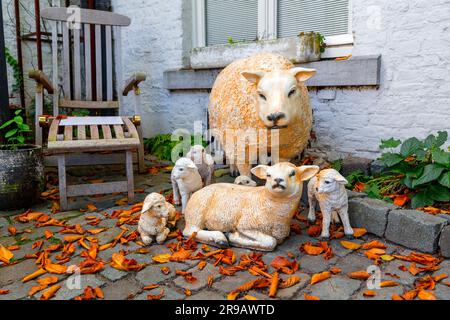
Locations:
(74, 146)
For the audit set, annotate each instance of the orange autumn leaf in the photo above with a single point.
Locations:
(369, 293)
(4, 292)
(151, 287)
(96, 231)
(34, 275)
(359, 275)
(50, 293)
(319, 277)
(311, 298)
(386, 284)
(210, 281)
(314, 231)
(440, 277)
(187, 292)
(375, 244)
(165, 270)
(99, 293)
(426, 295)
(359, 232)
(291, 281)
(375, 253)
(180, 255)
(162, 258)
(119, 262)
(250, 298)
(233, 295)
(55, 268)
(359, 187)
(73, 238)
(48, 234)
(401, 200)
(335, 270)
(201, 265)
(12, 230)
(91, 207)
(36, 289)
(48, 280)
(274, 285)
(396, 297)
(5, 255)
(410, 295)
(350, 245)
(312, 250)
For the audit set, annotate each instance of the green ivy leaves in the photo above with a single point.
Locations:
(17, 128)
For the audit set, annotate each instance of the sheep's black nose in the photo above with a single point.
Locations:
(279, 181)
(317, 189)
(275, 117)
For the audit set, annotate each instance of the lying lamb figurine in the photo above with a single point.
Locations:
(155, 214)
(328, 188)
(185, 181)
(255, 217)
(245, 181)
(204, 163)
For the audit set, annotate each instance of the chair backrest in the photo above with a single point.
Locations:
(88, 37)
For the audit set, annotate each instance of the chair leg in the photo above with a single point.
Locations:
(130, 176)
(141, 152)
(62, 182)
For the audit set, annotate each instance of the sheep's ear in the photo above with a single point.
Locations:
(260, 172)
(307, 172)
(302, 74)
(192, 166)
(341, 180)
(253, 77)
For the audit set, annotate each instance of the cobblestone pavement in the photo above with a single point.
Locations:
(183, 279)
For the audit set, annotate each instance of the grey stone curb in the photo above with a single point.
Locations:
(413, 229)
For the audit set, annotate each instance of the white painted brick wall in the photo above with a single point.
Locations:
(413, 99)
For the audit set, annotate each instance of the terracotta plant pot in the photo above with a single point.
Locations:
(21, 176)
(309, 48)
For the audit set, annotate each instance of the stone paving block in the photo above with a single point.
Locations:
(201, 275)
(335, 288)
(315, 264)
(113, 274)
(121, 290)
(355, 195)
(445, 268)
(228, 284)
(17, 290)
(293, 243)
(108, 236)
(170, 294)
(444, 242)
(393, 273)
(442, 292)
(207, 295)
(371, 214)
(7, 241)
(382, 294)
(152, 274)
(68, 215)
(339, 250)
(288, 293)
(16, 272)
(353, 262)
(66, 293)
(415, 229)
(3, 224)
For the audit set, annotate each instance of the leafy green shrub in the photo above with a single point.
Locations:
(162, 145)
(424, 167)
(16, 130)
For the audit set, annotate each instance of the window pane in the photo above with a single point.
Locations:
(234, 19)
(329, 17)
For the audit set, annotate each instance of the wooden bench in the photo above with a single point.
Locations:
(93, 134)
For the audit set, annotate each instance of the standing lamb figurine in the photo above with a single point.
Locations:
(245, 181)
(204, 163)
(328, 188)
(155, 214)
(185, 181)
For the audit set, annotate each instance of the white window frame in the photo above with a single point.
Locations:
(267, 24)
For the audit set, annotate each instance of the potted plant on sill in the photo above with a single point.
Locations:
(21, 166)
(312, 45)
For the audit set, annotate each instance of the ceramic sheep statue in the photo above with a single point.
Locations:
(245, 181)
(185, 181)
(204, 163)
(155, 214)
(328, 188)
(257, 218)
(263, 91)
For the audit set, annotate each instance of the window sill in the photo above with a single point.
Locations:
(222, 55)
(356, 71)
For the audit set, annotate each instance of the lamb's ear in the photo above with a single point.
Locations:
(307, 172)
(260, 172)
(192, 166)
(253, 77)
(341, 180)
(302, 74)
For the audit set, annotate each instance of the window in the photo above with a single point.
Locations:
(218, 21)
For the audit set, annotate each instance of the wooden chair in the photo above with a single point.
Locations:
(97, 37)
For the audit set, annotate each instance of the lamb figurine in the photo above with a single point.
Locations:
(204, 163)
(328, 188)
(185, 181)
(155, 214)
(245, 181)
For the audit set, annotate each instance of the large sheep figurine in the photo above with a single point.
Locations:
(264, 91)
(253, 217)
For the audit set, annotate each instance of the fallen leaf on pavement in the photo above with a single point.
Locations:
(162, 258)
(312, 250)
(374, 244)
(34, 275)
(426, 295)
(48, 234)
(359, 232)
(359, 275)
(274, 285)
(156, 297)
(350, 245)
(5, 255)
(319, 277)
(50, 293)
(119, 262)
(291, 281)
(4, 292)
(385, 284)
(311, 298)
(250, 298)
(369, 293)
(12, 230)
(335, 270)
(314, 231)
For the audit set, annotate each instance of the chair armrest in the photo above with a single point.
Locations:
(42, 79)
(133, 82)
